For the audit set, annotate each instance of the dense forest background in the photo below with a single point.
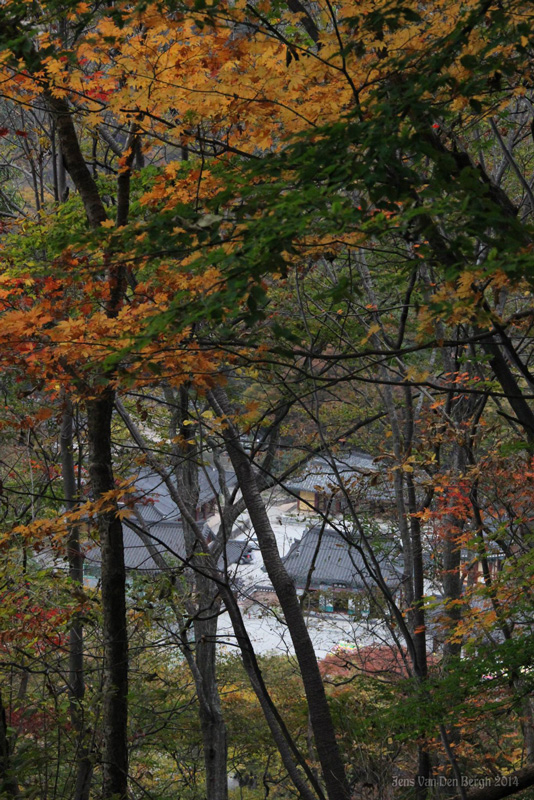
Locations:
(266, 253)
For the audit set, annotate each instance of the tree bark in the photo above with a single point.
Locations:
(74, 161)
(207, 601)
(510, 387)
(504, 786)
(289, 752)
(84, 771)
(114, 702)
(8, 782)
(99, 415)
(211, 716)
(323, 728)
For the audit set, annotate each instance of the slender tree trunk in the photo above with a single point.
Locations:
(73, 161)
(54, 160)
(413, 572)
(99, 415)
(323, 728)
(114, 702)
(211, 717)
(510, 387)
(460, 411)
(84, 771)
(8, 782)
(291, 757)
(205, 591)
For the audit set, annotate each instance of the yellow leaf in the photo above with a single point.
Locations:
(372, 330)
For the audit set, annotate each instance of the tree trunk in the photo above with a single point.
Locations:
(8, 783)
(460, 412)
(99, 414)
(510, 387)
(323, 728)
(84, 771)
(211, 717)
(205, 591)
(114, 702)
(289, 752)
(73, 160)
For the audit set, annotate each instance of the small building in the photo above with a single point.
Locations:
(326, 483)
(167, 539)
(154, 516)
(152, 491)
(335, 572)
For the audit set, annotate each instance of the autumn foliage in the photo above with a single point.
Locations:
(244, 235)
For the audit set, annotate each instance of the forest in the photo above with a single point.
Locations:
(267, 399)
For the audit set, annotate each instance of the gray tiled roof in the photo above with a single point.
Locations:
(235, 549)
(149, 511)
(353, 470)
(162, 521)
(154, 497)
(168, 539)
(321, 473)
(335, 561)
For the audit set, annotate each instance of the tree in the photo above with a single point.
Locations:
(400, 158)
